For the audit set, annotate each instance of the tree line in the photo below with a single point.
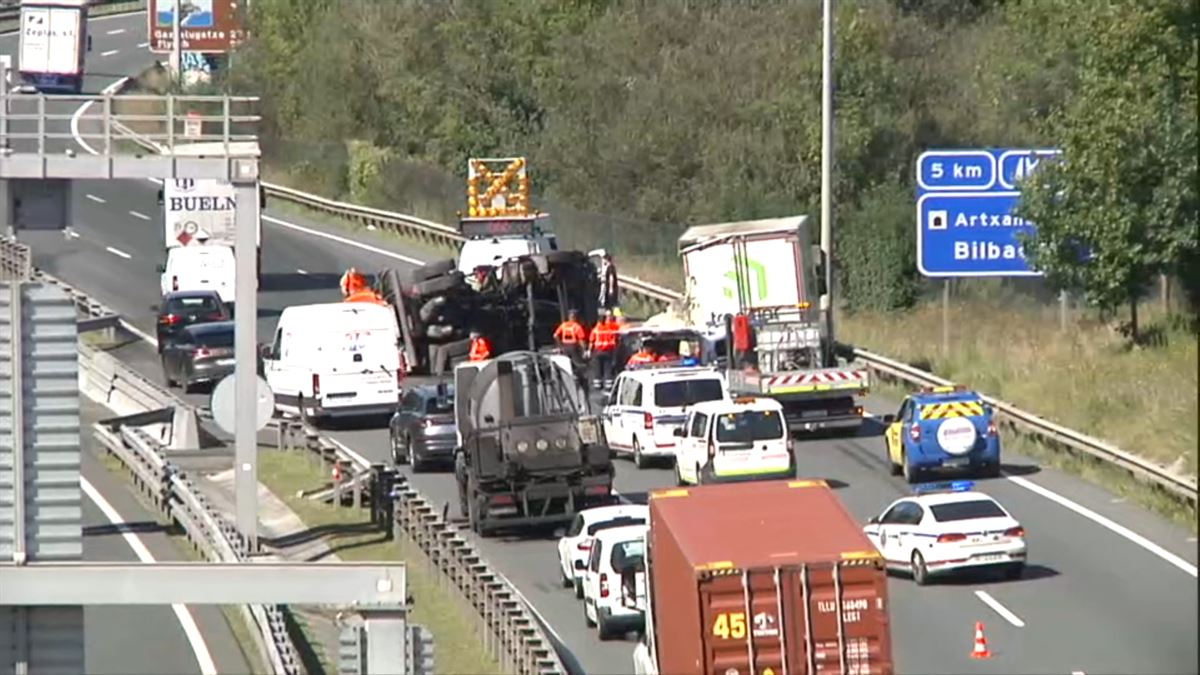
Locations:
(668, 113)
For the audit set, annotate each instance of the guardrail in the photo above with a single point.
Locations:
(10, 15)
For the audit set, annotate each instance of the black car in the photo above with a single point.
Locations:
(423, 430)
(201, 352)
(185, 308)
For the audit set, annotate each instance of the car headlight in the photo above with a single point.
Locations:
(522, 446)
(560, 443)
(542, 444)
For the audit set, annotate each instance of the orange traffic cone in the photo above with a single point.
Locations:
(980, 651)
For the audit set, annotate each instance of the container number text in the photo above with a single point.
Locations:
(730, 625)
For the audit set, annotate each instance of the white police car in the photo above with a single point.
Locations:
(946, 527)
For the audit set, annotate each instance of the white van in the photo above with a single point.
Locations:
(609, 604)
(199, 268)
(743, 439)
(335, 360)
(648, 403)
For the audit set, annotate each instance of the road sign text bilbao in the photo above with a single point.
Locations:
(971, 234)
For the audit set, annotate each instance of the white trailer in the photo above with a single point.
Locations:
(54, 41)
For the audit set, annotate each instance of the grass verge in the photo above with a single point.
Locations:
(458, 649)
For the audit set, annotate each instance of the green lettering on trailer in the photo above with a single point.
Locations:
(759, 272)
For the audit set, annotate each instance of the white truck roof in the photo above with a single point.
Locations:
(337, 315)
(744, 404)
(56, 3)
(708, 234)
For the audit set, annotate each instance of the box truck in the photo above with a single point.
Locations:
(54, 40)
(758, 578)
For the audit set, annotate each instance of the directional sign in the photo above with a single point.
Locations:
(965, 204)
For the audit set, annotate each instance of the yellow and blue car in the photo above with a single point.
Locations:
(939, 429)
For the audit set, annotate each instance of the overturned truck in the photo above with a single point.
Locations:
(529, 450)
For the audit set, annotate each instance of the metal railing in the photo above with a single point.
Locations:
(10, 14)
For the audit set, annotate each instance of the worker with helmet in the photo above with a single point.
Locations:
(570, 334)
(603, 346)
(481, 348)
(352, 282)
(644, 354)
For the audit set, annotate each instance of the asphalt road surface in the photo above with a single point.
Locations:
(1110, 587)
(135, 640)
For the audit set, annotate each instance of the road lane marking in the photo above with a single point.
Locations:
(1106, 523)
(110, 52)
(94, 198)
(1000, 609)
(143, 216)
(343, 240)
(78, 114)
(194, 637)
(118, 252)
(300, 271)
(115, 31)
(143, 45)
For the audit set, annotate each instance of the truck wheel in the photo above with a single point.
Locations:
(563, 257)
(434, 269)
(432, 308)
(439, 332)
(438, 285)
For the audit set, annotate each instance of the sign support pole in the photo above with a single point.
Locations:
(1063, 309)
(245, 351)
(176, 47)
(827, 173)
(946, 318)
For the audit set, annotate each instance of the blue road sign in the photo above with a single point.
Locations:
(965, 204)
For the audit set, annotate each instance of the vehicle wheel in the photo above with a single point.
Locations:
(920, 573)
(1014, 571)
(432, 307)
(439, 332)
(586, 619)
(434, 269)
(603, 630)
(678, 476)
(639, 460)
(896, 469)
(991, 470)
(166, 377)
(398, 455)
(187, 386)
(578, 588)
(567, 582)
(438, 285)
(418, 465)
(911, 473)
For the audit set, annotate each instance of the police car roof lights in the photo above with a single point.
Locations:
(949, 486)
(951, 389)
(675, 363)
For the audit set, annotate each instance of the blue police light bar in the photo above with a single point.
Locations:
(951, 486)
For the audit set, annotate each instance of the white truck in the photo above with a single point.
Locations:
(202, 212)
(756, 282)
(54, 41)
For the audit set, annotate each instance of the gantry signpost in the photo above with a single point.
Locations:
(965, 221)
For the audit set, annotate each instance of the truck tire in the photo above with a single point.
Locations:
(440, 332)
(438, 285)
(436, 268)
(432, 309)
(555, 258)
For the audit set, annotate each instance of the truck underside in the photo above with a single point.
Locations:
(492, 504)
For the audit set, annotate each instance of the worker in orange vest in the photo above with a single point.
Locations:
(352, 282)
(572, 339)
(481, 349)
(643, 355)
(603, 346)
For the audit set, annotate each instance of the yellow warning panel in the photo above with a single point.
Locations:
(497, 188)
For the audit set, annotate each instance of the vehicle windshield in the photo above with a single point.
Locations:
(621, 521)
(627, 554)
(215, 338)
(750, 426)
(439, 406)
(980, 508)
(682, 393)
(195, 305)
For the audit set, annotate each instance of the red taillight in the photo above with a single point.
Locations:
(170, 320)
(596, 490)
(316, 385)
(991, 428)
(584, 545)
(201, 353)
(948, 538)
(914, 432)
(603, 585)
(1015, 532)
(648, 420)
(174, 283)
(501, 500)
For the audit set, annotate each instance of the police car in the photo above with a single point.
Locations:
(945, 527)
(942, 428)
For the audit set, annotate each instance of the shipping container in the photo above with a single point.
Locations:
(759, 578)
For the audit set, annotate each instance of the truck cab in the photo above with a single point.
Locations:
(491, 252)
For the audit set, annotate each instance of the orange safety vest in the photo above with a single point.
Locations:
(604, 336)
(569, 332)
(481, 349)
(668, 357)
(640, 357)
(352, 282)
(364, 295)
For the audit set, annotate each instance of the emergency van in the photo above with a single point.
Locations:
(735, 440)
(942, 428)
(335, 360)
(648, 403)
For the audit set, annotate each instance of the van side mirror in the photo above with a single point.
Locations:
(162, 269)
(889, 419)
(678, 433)
(819, 267)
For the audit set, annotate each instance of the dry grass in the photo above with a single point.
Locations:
(1141, 399)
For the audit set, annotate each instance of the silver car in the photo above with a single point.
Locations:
(423, 430)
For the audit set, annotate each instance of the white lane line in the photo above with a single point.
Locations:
(1106, 523)
(343, 240)
(143, 45)
(72, 233)
(115, 31)
(94, 198)
(110, 52)
(143, 216)
(194, 637)
(300, 271)
(75, 117)
(118, 252)
(1000, 609)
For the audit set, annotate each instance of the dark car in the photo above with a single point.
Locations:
(185, 308)
(201, 352)
(422, 430)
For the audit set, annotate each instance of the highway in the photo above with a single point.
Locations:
(1111, 587)
(148, 640)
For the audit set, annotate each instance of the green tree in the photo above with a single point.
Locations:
(1121, 207)
(876, 255)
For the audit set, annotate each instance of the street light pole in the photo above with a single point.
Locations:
(827, 172)
(176, 55)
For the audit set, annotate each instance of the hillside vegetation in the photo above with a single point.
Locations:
(640, 118)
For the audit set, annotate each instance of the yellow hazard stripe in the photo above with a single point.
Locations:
(941, 411)
(798, 388)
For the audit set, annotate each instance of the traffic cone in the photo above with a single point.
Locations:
(980, 651)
